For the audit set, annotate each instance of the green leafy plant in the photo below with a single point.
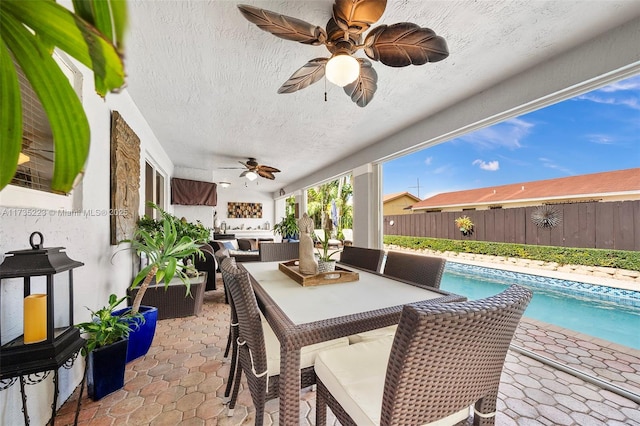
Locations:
(196, 231)
(323, 250)
(464, 224)
(165, 252)
(287, 227)
(29, 30)
(106, 328)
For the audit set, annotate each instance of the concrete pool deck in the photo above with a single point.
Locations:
(608, 277)
(181, 380)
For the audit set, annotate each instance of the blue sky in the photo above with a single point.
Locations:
(594, 132)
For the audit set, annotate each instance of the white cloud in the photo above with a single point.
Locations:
(628, 84)
(550, 164)
(491, 166)
(601, 139)
(625, 92)
(442, 169)
(507, 134)
(632, 103)
(428, 161)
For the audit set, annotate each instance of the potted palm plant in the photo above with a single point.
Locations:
(105, 349)
(165, 254)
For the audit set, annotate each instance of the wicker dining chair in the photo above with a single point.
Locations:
(233, 326)
(274, 252)
(443, 358)
(422, 270)
(363, 258)
(258, 346)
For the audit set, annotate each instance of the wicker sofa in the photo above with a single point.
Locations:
(242, 249)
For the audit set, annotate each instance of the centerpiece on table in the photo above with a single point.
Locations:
(325, 262)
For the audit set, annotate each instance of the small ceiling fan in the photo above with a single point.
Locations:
(254, 169)
(396, 45)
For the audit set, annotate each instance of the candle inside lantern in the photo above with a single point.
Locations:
(35, 318)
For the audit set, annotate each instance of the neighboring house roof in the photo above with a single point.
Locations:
(591, 185)
(391, 197)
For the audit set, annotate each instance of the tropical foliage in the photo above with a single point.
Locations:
(165, 253)
(196, 231)
(287, 227)
(105, 328)
(29, 31)
(321, 198)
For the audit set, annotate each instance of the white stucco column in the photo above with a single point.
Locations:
(367, 207)
(302, 200)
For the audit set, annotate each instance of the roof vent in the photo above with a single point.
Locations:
(494, 191)
(523, 187)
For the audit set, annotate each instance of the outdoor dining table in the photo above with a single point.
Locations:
(301, 316)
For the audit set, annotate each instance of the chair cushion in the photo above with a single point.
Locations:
(355, 376)
(307, 353)
(373, 334)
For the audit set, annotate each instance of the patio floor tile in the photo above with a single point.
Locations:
(181, 380)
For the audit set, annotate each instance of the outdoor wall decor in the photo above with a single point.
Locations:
(546, 216)
(244, 210)
(125, 179)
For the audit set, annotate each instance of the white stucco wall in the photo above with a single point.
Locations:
(86, 238)
(225, 195)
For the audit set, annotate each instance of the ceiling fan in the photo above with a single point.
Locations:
(254, 169)
(396, 45)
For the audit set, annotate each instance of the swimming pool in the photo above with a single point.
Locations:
(603, 312)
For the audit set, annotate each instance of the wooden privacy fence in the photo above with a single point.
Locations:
(610, 225)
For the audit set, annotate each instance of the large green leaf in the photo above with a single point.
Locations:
(108, 16)
(75, 36)
(10, 117)
(68, 122)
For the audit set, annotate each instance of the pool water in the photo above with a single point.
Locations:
(605, 319)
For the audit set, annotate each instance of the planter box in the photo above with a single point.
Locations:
(172, 302)
(105, 369)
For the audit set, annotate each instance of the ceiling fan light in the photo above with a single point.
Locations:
(342, 69)
(251, 175)
(225, 184)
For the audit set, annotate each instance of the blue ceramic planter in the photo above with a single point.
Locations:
(105, 369)
(141, 336)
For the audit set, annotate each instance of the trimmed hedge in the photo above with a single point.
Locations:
(562, 255)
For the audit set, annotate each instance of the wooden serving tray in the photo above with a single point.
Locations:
(340, 275)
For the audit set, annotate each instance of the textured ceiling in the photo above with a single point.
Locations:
(206, 79)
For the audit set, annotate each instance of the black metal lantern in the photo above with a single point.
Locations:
(60, 344)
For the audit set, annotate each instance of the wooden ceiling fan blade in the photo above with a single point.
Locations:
(364, 87)
(268, 169)
(356, 16)
(285, 27)
(403, 44)
(265, 174)
(310, 73)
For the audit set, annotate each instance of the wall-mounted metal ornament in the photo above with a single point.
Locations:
(546, 216)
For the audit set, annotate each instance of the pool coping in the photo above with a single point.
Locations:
(572, 285)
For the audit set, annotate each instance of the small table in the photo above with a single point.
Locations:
(301, 316)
